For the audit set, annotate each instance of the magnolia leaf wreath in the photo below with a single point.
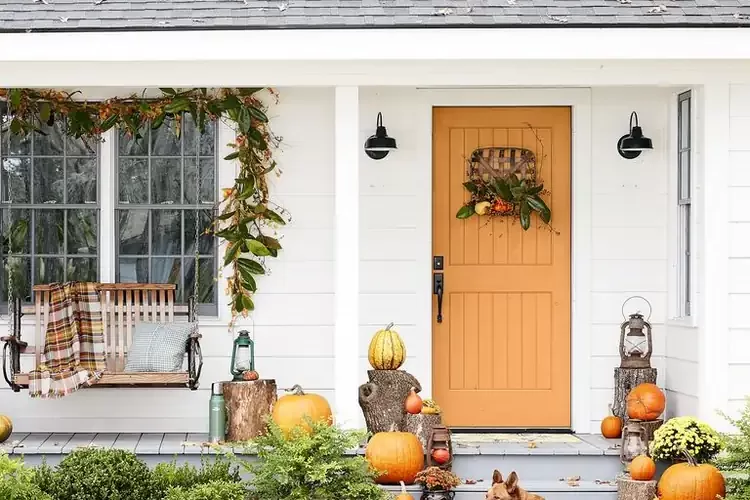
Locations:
(503, 182)
(246, 218)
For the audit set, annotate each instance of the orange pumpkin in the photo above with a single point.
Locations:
(646, 402)
(413, 402)
(404, 495)
(293, 410)
(611, 426)
(642, 468)
(397, 456)
(691, 481)
(6, 428)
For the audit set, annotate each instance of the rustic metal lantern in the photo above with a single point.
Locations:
(439, 439)
(635, 345)
(243, 355)
(634, 442)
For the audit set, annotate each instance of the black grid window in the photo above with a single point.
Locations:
(684, 187)
(165, 182)
(49, 209)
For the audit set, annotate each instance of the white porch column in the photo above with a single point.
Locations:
(346, 335)
(713, 248)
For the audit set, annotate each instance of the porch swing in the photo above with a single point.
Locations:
(123, 306)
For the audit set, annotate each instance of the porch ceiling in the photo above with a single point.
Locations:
(88, 15)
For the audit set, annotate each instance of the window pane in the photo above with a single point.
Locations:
(51, 141)
(685, 175)
(49, 270)
(49, 231)
(15, 227)
(167, 271)
(206, 241)
(167, 232)
(133, 181)
(133, 232)
(131, 145)
(82, 269)
(15, 179)
(207, 181)
(15, 145)
(133, 271)
(164, 140)
(82, 232)
(196, 143)
(79, 147)
(685, 123)
(206, 282)
(166, 180)
(81, 180)
(49, 180)
(16, 273)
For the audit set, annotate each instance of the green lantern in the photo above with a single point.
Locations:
(243, 355)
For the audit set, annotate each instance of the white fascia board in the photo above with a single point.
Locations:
(467, 44)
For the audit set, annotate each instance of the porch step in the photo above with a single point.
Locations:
(550, 490)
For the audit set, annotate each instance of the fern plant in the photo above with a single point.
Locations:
(735, 461)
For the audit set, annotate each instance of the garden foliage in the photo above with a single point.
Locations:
(17, 482)
(735, 461)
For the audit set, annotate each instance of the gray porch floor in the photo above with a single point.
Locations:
(194, 444)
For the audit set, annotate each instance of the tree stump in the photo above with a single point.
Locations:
(625, 380)
(629, 489)
(649, 426)
(422, 424)
(249, 405)
(383, 398)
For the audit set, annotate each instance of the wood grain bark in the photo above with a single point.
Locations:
(383, 399)
(249, 405)
(629, 489)
(422, 424)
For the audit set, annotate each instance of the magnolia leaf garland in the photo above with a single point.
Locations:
(246, 217)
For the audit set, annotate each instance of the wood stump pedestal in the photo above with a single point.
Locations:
(629, 489)
(383, 399)
(249, 405)
(625, 380)
(422, 425)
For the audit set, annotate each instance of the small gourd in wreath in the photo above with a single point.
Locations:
(503, 182)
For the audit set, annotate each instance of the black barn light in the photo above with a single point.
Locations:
(630, 145)
(379, 145)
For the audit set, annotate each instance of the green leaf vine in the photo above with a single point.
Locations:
(246, 218)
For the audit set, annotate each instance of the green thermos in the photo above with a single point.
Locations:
(217, 416)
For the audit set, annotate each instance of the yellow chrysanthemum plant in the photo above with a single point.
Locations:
(686, 434)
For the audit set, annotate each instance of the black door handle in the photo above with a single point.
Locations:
(438, 280)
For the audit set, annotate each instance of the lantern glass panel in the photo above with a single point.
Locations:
(242, 359)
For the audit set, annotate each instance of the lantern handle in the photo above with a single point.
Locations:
(650, 309)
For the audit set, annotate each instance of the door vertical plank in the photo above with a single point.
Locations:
(515, 341)
(456, 348)
(544, 341)
(515, 232)
(486, 362)
(500, 347)
(471, 341)
(471, 225)
(485, 233)
(500, 224)
(529, 312)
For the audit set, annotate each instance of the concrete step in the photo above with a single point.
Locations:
(550, 490)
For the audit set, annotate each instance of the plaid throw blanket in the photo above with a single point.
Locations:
(74, 342)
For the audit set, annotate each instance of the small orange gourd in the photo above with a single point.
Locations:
(646, 402)
(413, 402)
(642, 468)
(6, 428)
(404, 495)
(611, 425)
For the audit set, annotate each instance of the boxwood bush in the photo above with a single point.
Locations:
(17, 482)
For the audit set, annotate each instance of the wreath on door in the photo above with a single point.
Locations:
(502, 182)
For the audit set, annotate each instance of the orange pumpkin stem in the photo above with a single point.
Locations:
(403, 487)
(297, 390)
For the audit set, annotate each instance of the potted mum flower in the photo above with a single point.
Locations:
(437, 483)
(682, 435)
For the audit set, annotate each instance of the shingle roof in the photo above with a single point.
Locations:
(90, 15)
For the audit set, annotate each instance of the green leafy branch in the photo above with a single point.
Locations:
(246, 215)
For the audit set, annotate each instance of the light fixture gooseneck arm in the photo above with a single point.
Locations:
(633, 115)
(379, 120)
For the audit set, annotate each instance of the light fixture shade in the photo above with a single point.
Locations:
(379, 145)
(630, 145)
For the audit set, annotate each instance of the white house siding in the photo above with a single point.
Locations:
(739, 246)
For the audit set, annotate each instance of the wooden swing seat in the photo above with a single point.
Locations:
(123, 305)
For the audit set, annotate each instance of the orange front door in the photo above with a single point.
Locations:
(501, 355)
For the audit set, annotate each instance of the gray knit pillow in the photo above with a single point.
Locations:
(159, 347)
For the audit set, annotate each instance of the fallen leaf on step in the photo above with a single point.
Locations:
(532, 444)
(470, 481)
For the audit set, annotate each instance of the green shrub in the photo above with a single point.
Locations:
(212, 490)
(735, 461)
(17, 481)
(97, 474)
(311, 467)
(170, 475)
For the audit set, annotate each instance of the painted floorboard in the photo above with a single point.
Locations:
(127, 442)
(81, 440)
(104, 440)
(149, 444)
(55, 444)
(173, 444)
(194, 444)
(30, 445)
(14, 440)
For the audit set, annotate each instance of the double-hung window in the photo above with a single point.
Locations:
(684, 186)
(50, 211)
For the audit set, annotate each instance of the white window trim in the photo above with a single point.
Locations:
(676, 316)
